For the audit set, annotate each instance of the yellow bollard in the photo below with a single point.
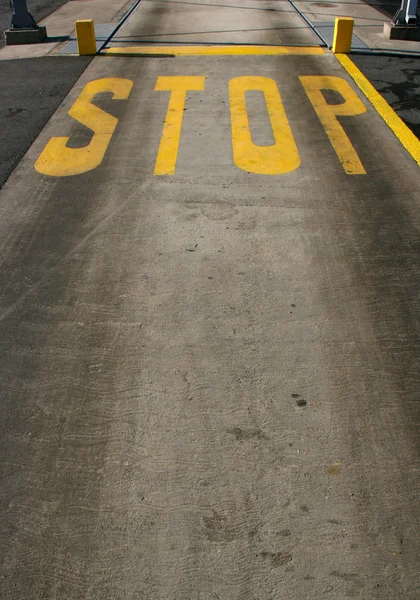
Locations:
(85, 33)
(343, 32)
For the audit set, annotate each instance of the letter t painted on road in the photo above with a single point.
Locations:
(171, 134)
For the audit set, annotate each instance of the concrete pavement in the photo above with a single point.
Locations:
(209, 331)
(255, 22)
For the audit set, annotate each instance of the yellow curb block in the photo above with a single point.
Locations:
(86, 41)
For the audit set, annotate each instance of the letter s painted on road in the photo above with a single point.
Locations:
(57, 159)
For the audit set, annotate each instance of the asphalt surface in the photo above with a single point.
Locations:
(39, 9)
(30, 92)
(209, 356)
(397, 79)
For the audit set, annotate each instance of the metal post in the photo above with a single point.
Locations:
(23, 28)
(407, 13)
(21, 18)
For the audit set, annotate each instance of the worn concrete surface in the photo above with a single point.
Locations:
(209, 380)
(220, 21)
(28, 102)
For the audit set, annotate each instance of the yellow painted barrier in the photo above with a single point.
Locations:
(85, 33)
(215, 50)
(343, 33)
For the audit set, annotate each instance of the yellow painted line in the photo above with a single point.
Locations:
(400, 129)
(215, 50)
